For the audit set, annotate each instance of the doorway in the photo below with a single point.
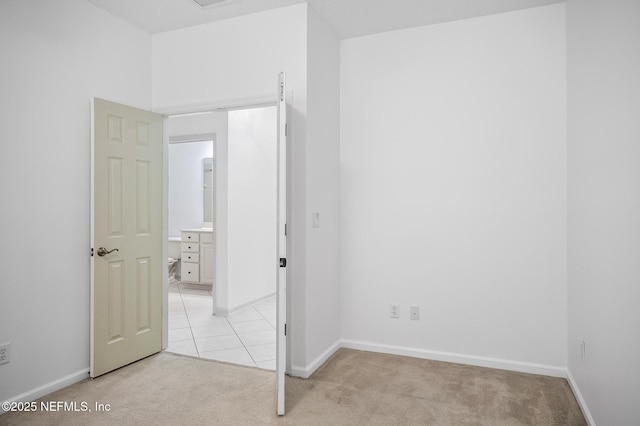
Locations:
(233, 318)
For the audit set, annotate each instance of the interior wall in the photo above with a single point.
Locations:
(252, 205)
(603, 54)
(56, 57)
(186, 185)
(187, 74)
(323, 197)
(453, 190)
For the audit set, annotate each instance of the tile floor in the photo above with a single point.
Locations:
(245, 337)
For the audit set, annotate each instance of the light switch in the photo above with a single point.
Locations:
(315, 220)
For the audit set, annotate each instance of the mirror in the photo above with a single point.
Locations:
(207, 192)
(191, 185)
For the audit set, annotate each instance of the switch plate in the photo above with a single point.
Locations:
(4, 353)
(394, 310)
(414, 312)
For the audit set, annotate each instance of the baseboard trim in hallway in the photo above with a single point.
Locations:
(478, 361)
(47, 388)
(581, 402)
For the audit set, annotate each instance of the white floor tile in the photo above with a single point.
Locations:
(211, 330)
(206, 344)
(177, 315)
(267, 365)
(262, 352)
(272, 321)
(250, 326)
(255, 338)
(221, 337)
(194, 292)
(178, 323)
(206, 320)
(174, 297)
(266, 309)
(178, 334)
(184, 347)
(247, 314)
(198, 311)
(236, 356)
(198, 303)
(177, 309)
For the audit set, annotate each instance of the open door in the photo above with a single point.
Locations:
(126, 235)
(281, 281)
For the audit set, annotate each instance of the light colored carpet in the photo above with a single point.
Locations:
(352, 388)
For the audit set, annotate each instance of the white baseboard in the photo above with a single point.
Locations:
(306, 372)
(502, 364)
(47, 388)
(225, 311)
(581, 402)
(220, 311)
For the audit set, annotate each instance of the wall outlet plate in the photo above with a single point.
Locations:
(394, 310)
(414, 312)
(4, 353)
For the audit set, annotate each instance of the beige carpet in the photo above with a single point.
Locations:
(352, 388)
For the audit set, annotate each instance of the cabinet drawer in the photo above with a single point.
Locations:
(190, 257)
(190, 272)
(206, 237)
(190, 247)
(191, 236)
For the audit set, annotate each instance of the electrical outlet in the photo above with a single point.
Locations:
(4, 353)
(394, 310)
(414, 312)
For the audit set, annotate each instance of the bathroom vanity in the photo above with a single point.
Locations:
(196, 256)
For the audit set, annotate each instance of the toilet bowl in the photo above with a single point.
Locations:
(173, 269)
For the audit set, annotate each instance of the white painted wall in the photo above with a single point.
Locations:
(56, 57)
(186, 180)
(453, 190)
(322, 296)
(603, 53)
(252, 205)
(187, 73)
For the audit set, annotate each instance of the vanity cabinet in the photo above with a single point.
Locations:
(196, 259)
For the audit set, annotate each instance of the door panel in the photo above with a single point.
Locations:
(281, 284)
(126, 284)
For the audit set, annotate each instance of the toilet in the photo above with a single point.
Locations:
(173, 269)
(173, 262)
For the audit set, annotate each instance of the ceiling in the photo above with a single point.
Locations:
(349, 18)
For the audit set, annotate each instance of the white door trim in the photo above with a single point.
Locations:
(217, 105)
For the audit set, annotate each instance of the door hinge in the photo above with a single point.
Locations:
(285, 229)
(286, 128)
(285, 329)
(91, 251)
(283, 262)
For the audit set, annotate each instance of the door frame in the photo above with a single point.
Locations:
(222, 106)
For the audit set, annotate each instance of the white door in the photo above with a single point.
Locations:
(126, 239)
(281, 281)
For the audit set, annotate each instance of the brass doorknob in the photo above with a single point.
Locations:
(103, 251)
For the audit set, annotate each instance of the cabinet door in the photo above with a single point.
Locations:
(190, 272)
(206, 263)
